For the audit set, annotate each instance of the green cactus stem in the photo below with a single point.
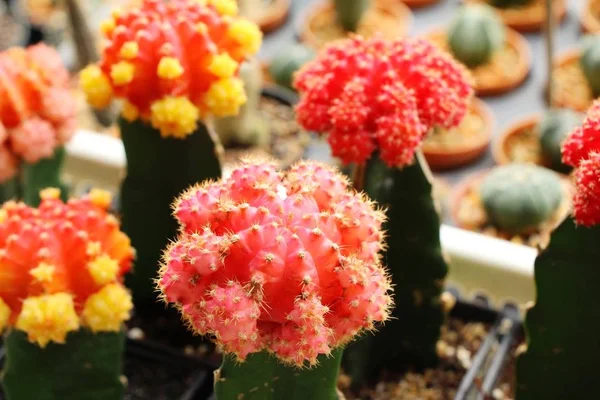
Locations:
(263, 377)
(158, 170)
(509, 3)
(87, 366)
(249, 127)
(590, 62)
(285, 64)
(518, 197)
(418, 269)
(553, 129)
(45, 173)
(8, 190)
(561, 361)
(475, 34)
(349, 13)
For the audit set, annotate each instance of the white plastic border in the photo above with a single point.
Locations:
(479, 264)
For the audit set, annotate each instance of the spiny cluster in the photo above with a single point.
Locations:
(173, 63)
(581, 150)
(61, 267)
(37, 111)
(370, 94)
(284, 262)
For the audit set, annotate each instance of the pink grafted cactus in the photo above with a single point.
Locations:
(280, 261)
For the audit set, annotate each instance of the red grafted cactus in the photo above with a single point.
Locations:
(173, 63)
(584, 139)
(37, 111)
(370, 94)
(61, 267)
(280, 261)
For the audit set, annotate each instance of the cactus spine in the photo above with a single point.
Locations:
(475, 34)
(553, 129)
(590, 62)
(249, 127)
(518, 197)
(349, 13)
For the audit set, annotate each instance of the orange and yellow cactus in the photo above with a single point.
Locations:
(61, 267)
(173, 63)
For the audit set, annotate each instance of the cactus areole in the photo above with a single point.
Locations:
(174, 65)
(62, 298)
(37, 117)
(376, 100)
(562, 344)
(280, 269)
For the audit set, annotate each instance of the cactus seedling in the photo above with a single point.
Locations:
(562, 346)
(475, 34)
(173, 64)
(518, 197)
(285, 64)
(590, 62)
(553, 129)
(62, 298)
(249, 127)
(37, 117)
(376, 100)
(281, 269)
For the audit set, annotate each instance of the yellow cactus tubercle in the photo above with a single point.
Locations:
(169, 68)
(100, 198)
(174, 116)
(106, 310)
(225, 7)
(225, 97)
(129, 50)
(103, 269)
(44, 272)
(4, 315)
(48, 318)
(107, 27)
(122, 73)
(201, 28)
(50, 194)
(129, 111)
(223, 66)
(247, 34)
(96, 86)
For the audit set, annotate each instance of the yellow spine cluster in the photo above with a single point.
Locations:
(174, 116)
(107, 309)
(96, 86)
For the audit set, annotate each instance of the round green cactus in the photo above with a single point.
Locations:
(286, 63)
(349, 13)
(590, 62)
(509, 3)
(475, 34)
(553, 129)
(518, 197)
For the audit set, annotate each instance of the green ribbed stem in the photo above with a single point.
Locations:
(158, 170)
(349, 13)
(262, 377)
(43, 174)
(87, 367)
(8, 190)
(563, 349)
(418, 270)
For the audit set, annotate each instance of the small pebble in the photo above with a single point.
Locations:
(136, 334)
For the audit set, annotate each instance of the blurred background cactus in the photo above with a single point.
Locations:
(518, 197)
(590, 62)
(349, 13)
(509, 3)
(475, 34)
(288, 61)
(560, 357)
(553, 128)
(249, 127)
(37, 117)
(169, 86)
(62, 298)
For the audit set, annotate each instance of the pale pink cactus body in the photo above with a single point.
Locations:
(282, 262)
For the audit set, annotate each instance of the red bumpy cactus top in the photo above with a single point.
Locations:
(173, 63)
(37, 111)
(61, 267)
(285, 262)
(370, 94)
(581, 150)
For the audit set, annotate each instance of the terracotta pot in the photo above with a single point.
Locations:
(419, 3)
(524, 20)
(501, 84)
(500, 149)
(323, 14)
(273, 15)
(561, 98)
(589, 22)
(440, 158)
